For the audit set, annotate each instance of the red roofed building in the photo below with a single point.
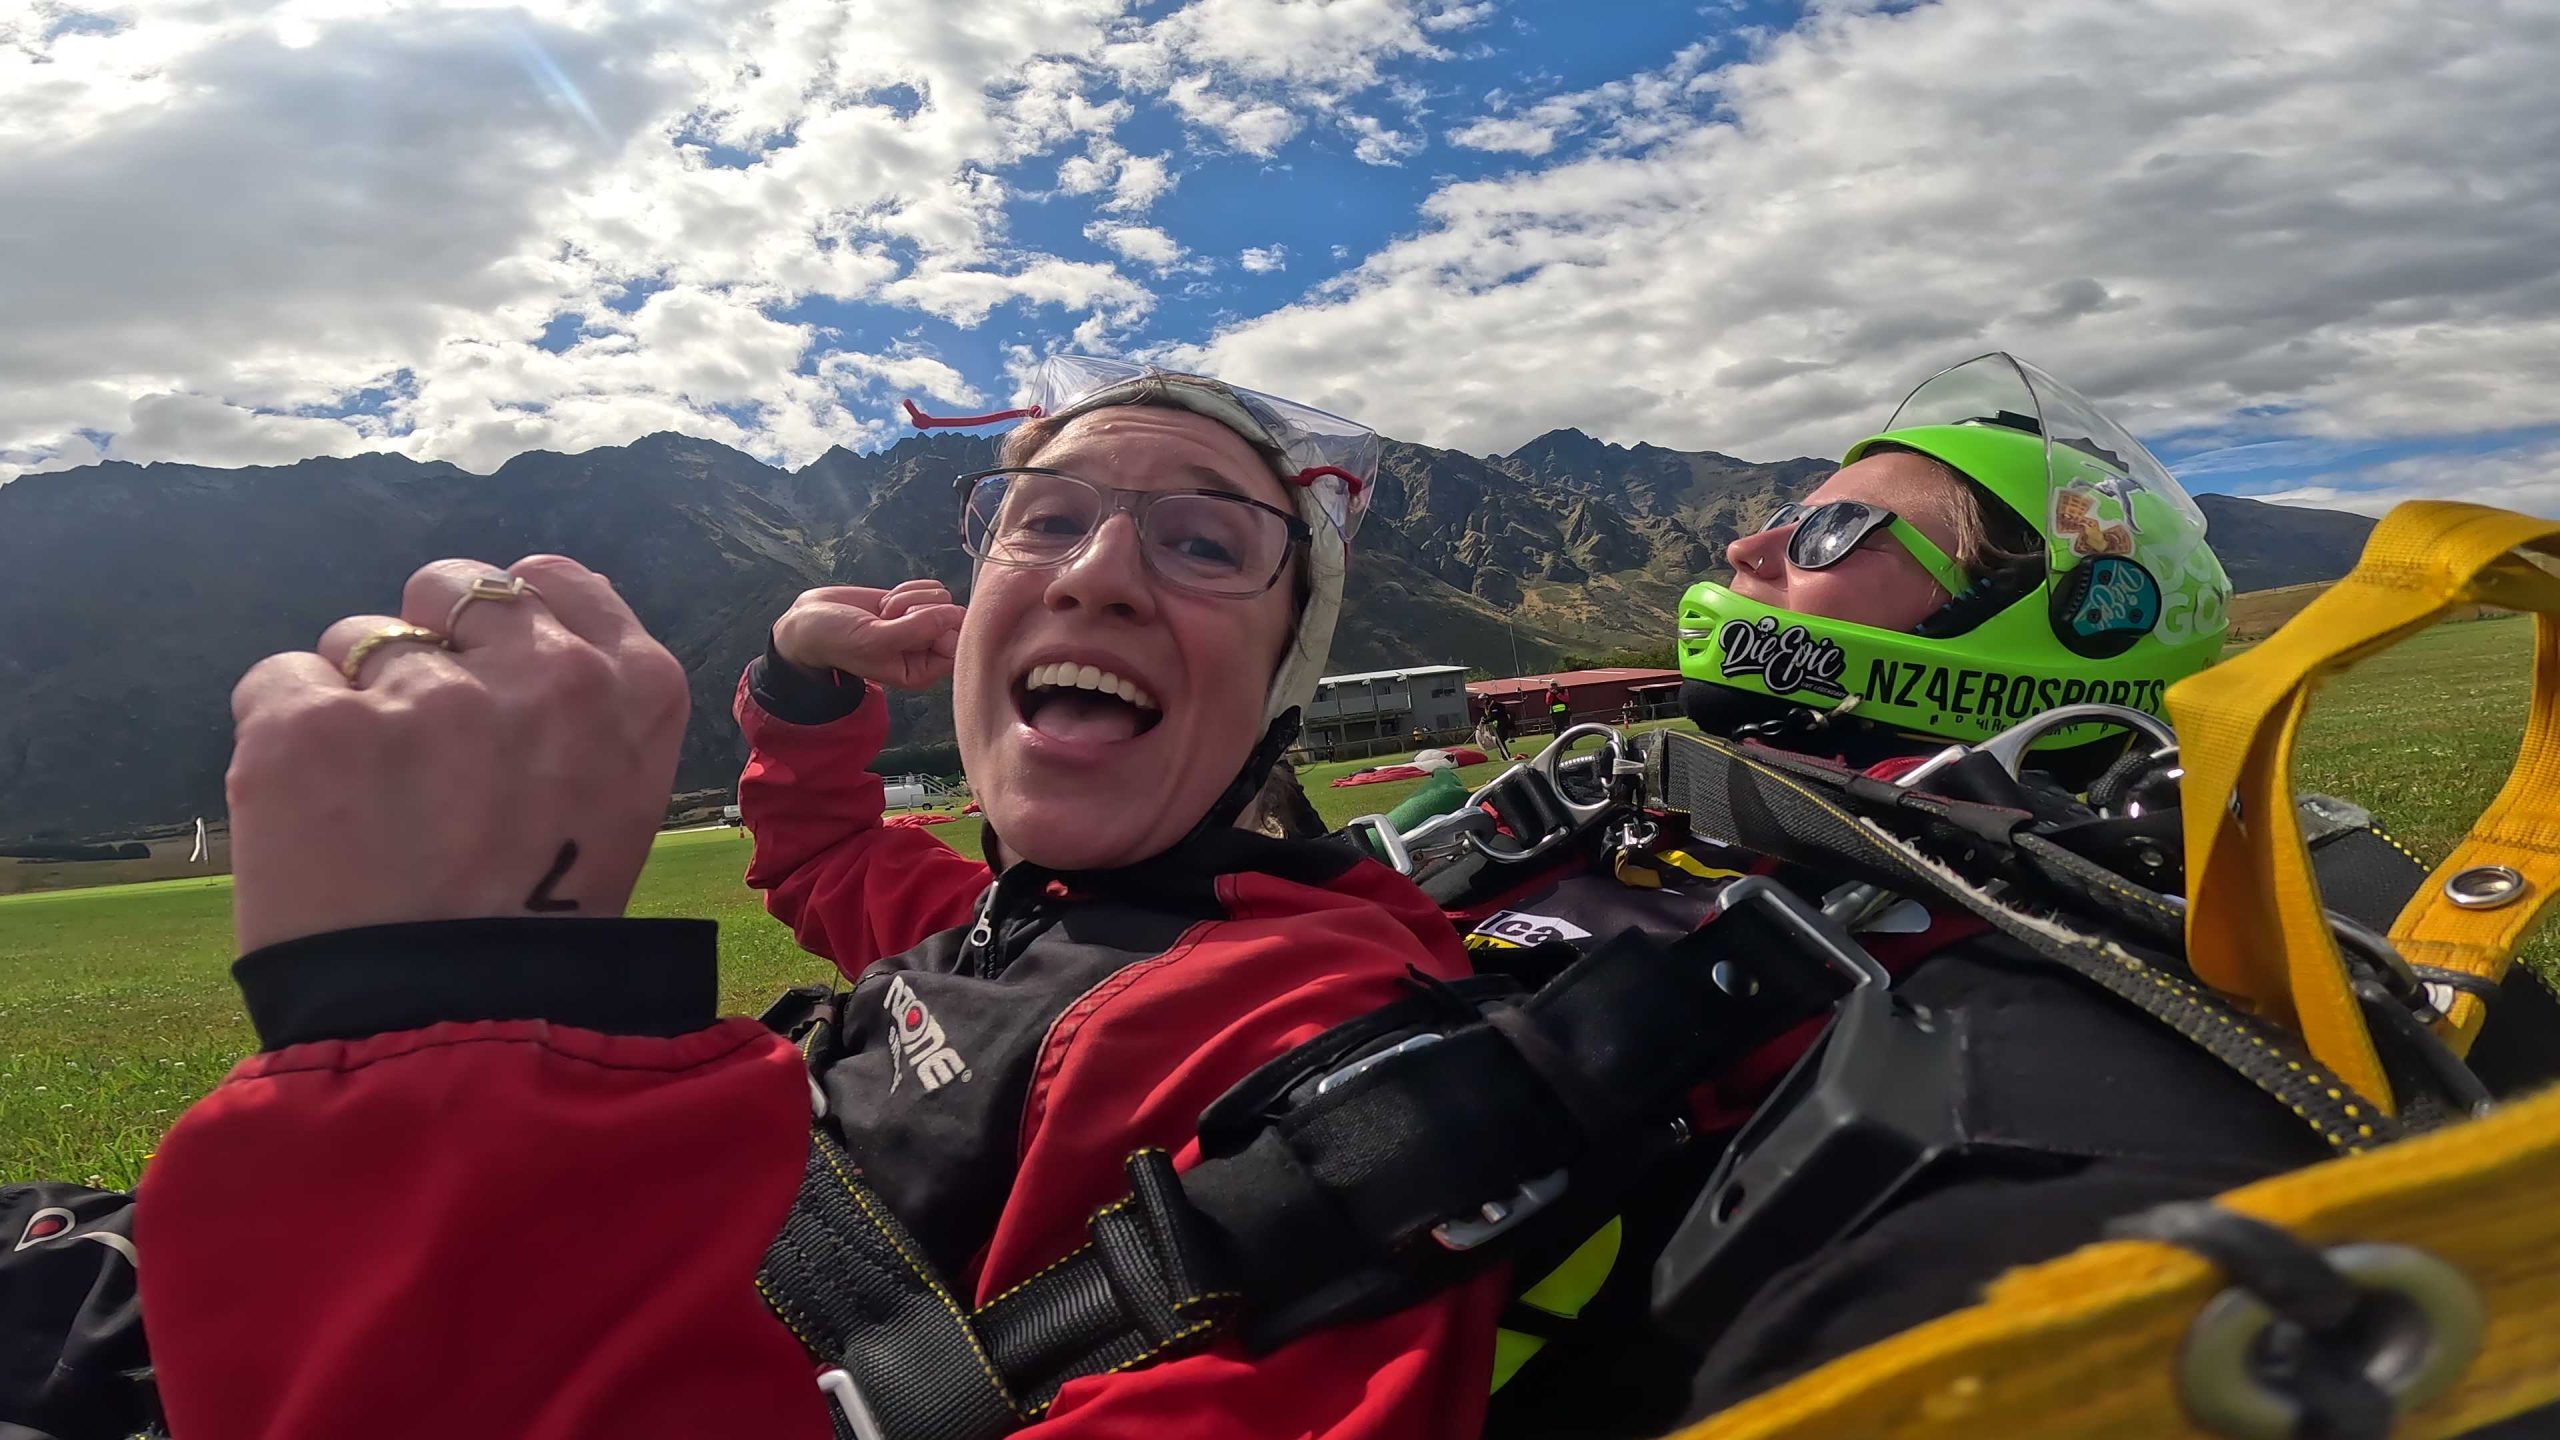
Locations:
(1614, 696)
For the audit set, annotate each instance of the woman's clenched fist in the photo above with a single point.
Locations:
(522, 771)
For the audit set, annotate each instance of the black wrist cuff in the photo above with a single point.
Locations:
(803, 697)
(623, 977)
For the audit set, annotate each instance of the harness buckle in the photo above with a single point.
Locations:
(1382, 841)
(1499, 1216)
(1472, 824)
(1613, 768)
(1824, 932)
(850, 1404)
(1365, 1063)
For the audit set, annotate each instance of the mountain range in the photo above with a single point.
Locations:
(135, 595)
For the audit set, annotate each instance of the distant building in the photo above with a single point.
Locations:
(1386, 705)
(1605, 695)
(907, 792)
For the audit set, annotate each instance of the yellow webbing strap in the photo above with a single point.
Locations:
(2086, 1347)
(2254, 922)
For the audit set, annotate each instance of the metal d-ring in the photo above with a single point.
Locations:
(2010, 746)
(1614, 765)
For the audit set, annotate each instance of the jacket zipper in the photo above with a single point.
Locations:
(999, 905)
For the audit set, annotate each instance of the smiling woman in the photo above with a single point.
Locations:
(466, 1069)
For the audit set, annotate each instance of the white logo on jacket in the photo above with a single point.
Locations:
(915, 1039)
(1519, 929)
(55, 1223)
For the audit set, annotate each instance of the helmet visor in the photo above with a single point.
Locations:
(2103, 485)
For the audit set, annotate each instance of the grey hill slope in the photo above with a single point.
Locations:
(136, 594)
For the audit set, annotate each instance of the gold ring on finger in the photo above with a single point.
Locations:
(508, 588)
(363, 649)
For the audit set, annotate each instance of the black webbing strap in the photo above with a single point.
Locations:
(859, 1293)
(1334, 1203)
(1379, 1164)
(856, 1289)
(1143, 1287)
(1734, 797)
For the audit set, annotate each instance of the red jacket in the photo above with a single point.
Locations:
(550, 1225)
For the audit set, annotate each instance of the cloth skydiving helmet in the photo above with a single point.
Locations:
(2127, 600)
(1330, 465)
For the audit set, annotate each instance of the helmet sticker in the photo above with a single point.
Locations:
(2096, 518)
(2120, 598)
(1785, 661)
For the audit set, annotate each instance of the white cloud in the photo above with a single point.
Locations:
(228, 214)
(202, 430)
(1335, 44)
(964, 296)
(1261, 260)
(1144, 244)
(1136, 182)
(1514, 134)
(1458, 16)
(2281, 219)
(1378, 145)
(903, 374)
(1143, 180)
(1252, 71)
(1256, 127)
(2524, 477)
(1636, 110)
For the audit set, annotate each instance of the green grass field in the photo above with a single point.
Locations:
(116, 1006)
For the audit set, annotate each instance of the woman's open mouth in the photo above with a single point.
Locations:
(1067, 701)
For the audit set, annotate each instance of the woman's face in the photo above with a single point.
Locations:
(1880, 583)
(1078, 780)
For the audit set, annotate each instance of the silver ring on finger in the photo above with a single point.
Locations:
(506, 588)
(362, 650)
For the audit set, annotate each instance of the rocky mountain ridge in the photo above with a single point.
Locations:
(136, 594)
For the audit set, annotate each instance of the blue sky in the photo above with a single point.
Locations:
(2303, 249)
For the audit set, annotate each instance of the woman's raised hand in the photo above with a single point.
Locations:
(903, 637)
(524, 770)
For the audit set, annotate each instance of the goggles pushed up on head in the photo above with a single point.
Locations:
(1334, 459)
(1827, 533)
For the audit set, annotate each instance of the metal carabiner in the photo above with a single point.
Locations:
(1472, 824)
(1613, 761)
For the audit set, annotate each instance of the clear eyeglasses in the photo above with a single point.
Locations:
(1210, 542)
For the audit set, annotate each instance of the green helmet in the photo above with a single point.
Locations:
(2129, 598)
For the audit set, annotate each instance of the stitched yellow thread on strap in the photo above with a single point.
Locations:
(916, 1266)
(2256, 927)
